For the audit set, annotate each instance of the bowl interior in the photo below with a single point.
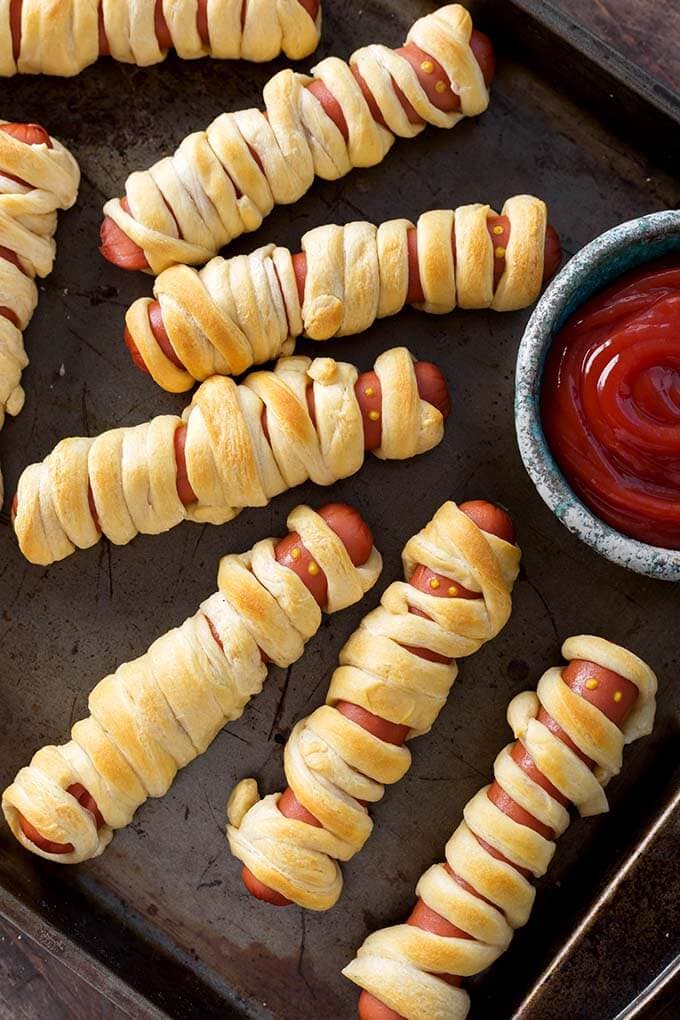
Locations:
(608, 257)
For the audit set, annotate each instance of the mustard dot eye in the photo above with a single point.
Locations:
(295, 553)
(374, 415)
(497, 230)
(500, 252)
(592, 684)
(434, 583)
(427, 66)
(618, 696)
(313, 568)
(441, 86)
(369, 392)
(453, 591)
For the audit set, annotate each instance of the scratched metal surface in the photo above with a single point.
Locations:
(164, 907)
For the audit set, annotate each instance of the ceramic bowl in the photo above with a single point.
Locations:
(613, 253)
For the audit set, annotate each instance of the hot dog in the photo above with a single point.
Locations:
(118, 248)
(245, 444)
(489, 518)
(417, 89)
(357, 273)
(292, 553)
(616, 694)
(431, 387)
(31, 163)
(66, 46)
(298, 863)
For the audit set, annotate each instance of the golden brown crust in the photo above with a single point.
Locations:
(232, 313)
(295, 141)
(400, 965)
(230, 462)
(27, 222)
(156, 714)
(61, 37)
(332, 762)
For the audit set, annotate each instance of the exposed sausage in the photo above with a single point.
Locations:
(499, 231)
(48, 846)
(357, 538)
(104, 48)
(311, 6)
(552, 255)
(350, 528)
(432, 386)
(482, 47)
(435, 584)
(15, 7)
(522, 757)
(389, 732)
(615, 697)
(11, 256)
(433, 79)
(118, 248)
(202, 20)
(369, 395)
(31, 134)
(184, 490)
(8, 313)
(490, 518)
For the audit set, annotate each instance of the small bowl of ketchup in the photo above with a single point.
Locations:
(597, 398)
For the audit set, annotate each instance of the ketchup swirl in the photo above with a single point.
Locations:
(610, 403)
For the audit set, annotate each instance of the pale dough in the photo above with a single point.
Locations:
(399, 965)
(156, 714)
(330, 761)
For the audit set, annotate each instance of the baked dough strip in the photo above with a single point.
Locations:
(570, 747)
(223, 181)
(35, 180)
(333, 766)
(246, 310)
(125, 481)
(156, 714)
(62, 37)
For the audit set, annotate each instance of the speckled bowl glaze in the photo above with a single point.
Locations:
(598, 264)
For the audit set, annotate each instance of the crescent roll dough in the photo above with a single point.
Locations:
(189, 205)
(329, 760)
(28, 219)
(132, 472)
(156, 714)
(399, 965)
(237, 312)
(62, 36)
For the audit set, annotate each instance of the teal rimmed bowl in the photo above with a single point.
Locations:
(610, 255)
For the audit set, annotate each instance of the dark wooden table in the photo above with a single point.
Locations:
(35, 986)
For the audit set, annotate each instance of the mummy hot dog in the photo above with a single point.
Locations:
(235, 446)
(570, 737)
(222, 182)
(64, 36)
(395, 674)
(156, 714)
(37, 177)
(248, 309)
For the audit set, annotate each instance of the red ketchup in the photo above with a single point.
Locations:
(610, 403)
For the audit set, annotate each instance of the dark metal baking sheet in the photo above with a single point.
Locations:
(161, 921)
